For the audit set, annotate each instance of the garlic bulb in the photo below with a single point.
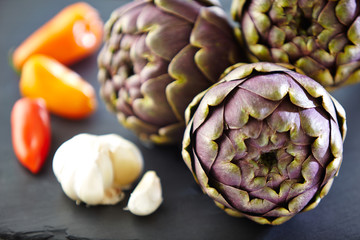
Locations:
(95, 169)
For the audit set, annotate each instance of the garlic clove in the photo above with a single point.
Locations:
(126, 158)
(95, 175)
(89, 185)
(147, 196)
(67, 159)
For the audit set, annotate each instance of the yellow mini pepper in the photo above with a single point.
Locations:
(65, 92)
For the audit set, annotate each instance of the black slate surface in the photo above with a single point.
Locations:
(34, 207)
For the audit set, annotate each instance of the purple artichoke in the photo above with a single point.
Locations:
(157, 56)
(265, 142)
(321, 37)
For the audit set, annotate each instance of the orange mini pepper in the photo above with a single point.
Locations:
(65, 92)
(71, 35)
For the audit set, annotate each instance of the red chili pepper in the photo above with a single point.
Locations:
(31, 132)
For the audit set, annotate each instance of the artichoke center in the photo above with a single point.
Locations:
(268, 159)
(305, 25)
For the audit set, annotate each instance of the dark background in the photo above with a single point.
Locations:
(35, 207)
